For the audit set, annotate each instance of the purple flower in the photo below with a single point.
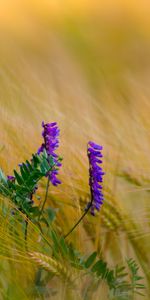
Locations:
(51, 143)
(95, 176)
(10, 178)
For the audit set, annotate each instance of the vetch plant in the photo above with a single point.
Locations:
(95, 176)
(123, 281)
(21, 187)
(63, 259)
(95, 181)
(51, 143)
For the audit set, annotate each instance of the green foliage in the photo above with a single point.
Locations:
(122, 281)
(61, 258)
(20, 190)
(136, 286)
(90, 260)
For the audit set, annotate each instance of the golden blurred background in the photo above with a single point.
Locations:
(86, 65)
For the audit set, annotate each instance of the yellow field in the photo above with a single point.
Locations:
(85, 65)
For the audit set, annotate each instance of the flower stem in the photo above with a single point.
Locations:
(26, 231)
(26, 228)
(86, 211)
(47, 188)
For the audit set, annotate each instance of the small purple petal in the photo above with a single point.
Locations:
(10, 178)
(95, 146)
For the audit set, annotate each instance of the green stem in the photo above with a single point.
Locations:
(47, 188)
(26, 231)
(26, 228)
(86, 211)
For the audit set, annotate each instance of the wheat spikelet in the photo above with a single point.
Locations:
(52, 265)
(110, 217)
(116, 215)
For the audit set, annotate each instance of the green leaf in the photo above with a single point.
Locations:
(51, 161)
(51, 215)
(4, 190)
(90, 260)
(100, 267)
(120, 269)
(18, 177)
(111, 279)
(44, 154)
(29, 166)
(63, 246)
(34, 210)
(46, 165)
(35, 160)
(55, 240)
(26, 169)
(23, 173)
(136, 278)
(2, 176)
(140, 286)
(42, 168)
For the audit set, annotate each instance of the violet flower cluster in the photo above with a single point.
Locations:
(51, 143)
(95, 176)
(10, 178)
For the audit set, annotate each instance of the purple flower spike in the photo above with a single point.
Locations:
(11, 178)
(95, 175)
(51, 143)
